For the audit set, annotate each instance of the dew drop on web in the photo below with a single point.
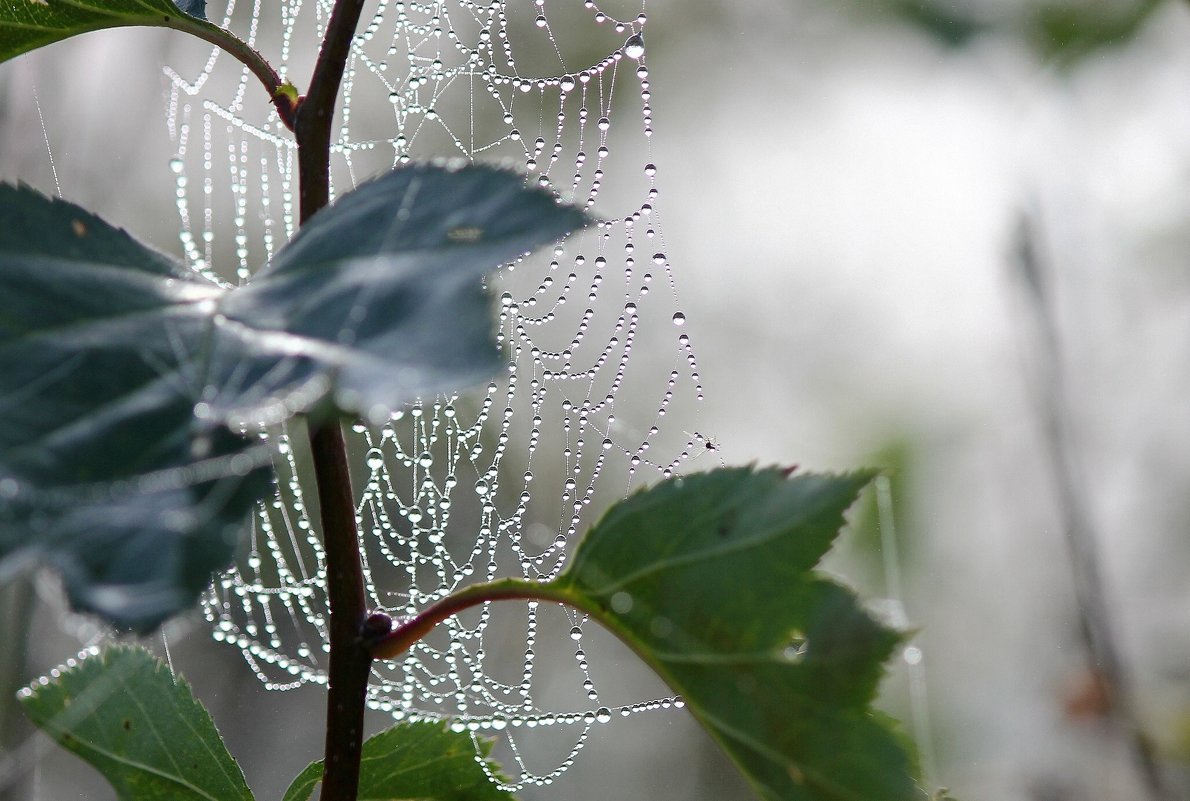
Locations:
(634, 47)
(597, 392)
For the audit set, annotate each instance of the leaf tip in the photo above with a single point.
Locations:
(194, 8)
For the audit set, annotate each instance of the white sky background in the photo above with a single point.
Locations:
(838, 199)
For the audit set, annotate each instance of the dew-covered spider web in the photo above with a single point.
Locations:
(601, 392)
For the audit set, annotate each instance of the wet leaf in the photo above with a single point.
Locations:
(104, 471)
(123, 375)
(379, 293)
(139, 726)
(710, 579)
(29, 24)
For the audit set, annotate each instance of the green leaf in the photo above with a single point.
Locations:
(381, 292)
(124, 713)
(29, 24)
(710, 579)
(423, 761)
(104, 472)
(121, 372)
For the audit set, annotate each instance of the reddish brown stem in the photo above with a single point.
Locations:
(400, 639)
(285, 102)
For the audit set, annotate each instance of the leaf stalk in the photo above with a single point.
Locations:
(284, 101)
(402, 638)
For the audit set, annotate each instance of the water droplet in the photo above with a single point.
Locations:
(177, 165)
(635, 46)
(603, 714)
(576, 633)
(679, 318)
(912, 655)
(481, 487)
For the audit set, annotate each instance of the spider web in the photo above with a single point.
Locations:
(495, 483)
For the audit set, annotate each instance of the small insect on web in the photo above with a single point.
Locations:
(496, 483)
(699, 445)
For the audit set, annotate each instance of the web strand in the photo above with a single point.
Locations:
(501, 482)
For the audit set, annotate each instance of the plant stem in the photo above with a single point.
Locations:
(1094, 612)
(350, 656)
(402, 637)
(312, 126)
(246, 55)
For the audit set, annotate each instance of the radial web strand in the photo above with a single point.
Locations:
(601, 375)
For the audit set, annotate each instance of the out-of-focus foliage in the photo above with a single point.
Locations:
(1061, 30)
(1071, 30)
(895, 461)
(942, 20)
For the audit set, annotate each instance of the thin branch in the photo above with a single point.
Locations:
(405, 635)
(1094, 612)
(316, 112)
(282, 95)
(350, 656)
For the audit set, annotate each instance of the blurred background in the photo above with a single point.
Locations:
(846, 186)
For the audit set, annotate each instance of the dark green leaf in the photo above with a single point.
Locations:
(29, 24)
(121, 372)
(709, 578)
(124, 713)
(423, 761)
(104, 472)
(381, 292)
